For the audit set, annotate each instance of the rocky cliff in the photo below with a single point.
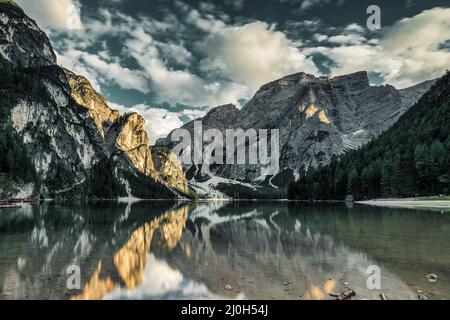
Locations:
(77, 144)
(21, 41)
(75, 141)
(86, 96)
(127, 134)
(318, 118)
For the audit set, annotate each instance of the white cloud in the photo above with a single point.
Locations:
(161, 281)
(407, 53)
(235, 4)
(346, 39)
(178, 86)
(237, 59)
(71, 60)
(159, 122)
(414, 44)
(245, 57)
(354, 27)
(307, 4)
(112, 70)
(101, 69)
(62, 14)
(253, 54)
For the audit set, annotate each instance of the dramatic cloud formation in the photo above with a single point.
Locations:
(195, 56)
(101, 68)
(63, 14)
(407, 53)
(308, 4)
(254, 54)
(413, 46)
(178, 86)
(160, 122)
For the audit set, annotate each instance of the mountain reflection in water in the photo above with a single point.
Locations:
(221, 250)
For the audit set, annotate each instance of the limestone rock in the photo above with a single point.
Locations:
(67, 127)
(86, 96)
(317, 117)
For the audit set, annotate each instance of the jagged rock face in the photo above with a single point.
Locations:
(61, 138)
(21, 41)
(59, 135)
(67, 127)
(127, 135)
(221, 118)
(132, 139)
(86, 96)
(170, 169)
(322, 117)
(318, 118)
(160, 164)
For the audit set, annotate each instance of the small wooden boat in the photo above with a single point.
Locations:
(23, 201)
(15, 203)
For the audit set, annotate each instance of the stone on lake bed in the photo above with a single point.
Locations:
(228, 287)
(422, 296)
(347, 295)
(333, 294)
(432, 277)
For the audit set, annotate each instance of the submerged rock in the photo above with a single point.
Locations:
(432, 277)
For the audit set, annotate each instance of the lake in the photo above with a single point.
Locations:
(221, 250)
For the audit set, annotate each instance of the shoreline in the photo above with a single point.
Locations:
(412, 203)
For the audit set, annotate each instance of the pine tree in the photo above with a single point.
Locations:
(408, 176)
(11, 163)
(412, 158)
(353, 183)
(386, 179)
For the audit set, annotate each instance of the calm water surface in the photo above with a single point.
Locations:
(214, 250)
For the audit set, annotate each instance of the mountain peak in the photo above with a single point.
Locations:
(20, 32)
(226, 108)
(12, 5)
(360, 77)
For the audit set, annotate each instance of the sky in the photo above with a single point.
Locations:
(172, 61)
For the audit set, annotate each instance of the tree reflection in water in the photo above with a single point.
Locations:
(210, 250)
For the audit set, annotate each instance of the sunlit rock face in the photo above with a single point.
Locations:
(86, 96)
(60, 136)
(68, 128)
(160, 164)
(132, 139)
(127, 134)
(318, 118)
(263, 250)
(131, 260)
(170, 169)
(193, 251)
